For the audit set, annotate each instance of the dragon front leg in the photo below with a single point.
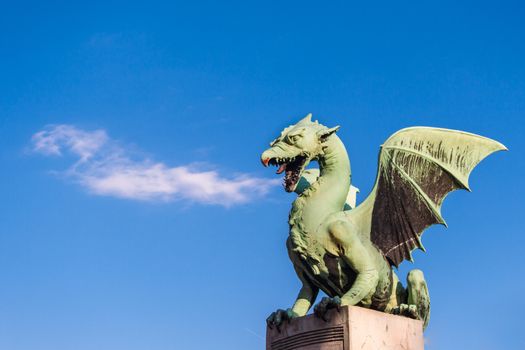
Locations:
(304, 301)
(358, 258)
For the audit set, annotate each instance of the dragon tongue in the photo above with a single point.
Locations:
(281, 168)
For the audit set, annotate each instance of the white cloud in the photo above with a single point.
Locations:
(106, 168)
(81, 143)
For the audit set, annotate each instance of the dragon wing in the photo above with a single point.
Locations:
(418, 167)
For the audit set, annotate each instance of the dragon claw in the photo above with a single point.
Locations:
(277, 318)
(326, 304)
(407, 311)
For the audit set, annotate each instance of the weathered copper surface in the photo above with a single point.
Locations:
(348, 251)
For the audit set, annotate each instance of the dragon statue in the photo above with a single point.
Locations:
(349, 253)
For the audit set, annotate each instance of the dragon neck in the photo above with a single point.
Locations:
(328, 194)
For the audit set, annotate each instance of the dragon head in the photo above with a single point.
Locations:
(295, 148)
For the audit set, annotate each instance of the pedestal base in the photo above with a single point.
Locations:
(352, 328)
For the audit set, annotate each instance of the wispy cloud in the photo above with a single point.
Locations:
(105, 167)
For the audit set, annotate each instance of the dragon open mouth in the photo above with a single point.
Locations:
(292, 167)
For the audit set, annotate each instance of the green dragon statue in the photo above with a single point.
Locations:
(350, 253)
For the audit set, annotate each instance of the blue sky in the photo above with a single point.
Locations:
(129, 250)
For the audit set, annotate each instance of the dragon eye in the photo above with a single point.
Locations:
(294, 138)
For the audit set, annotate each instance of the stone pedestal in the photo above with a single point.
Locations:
(351, 328)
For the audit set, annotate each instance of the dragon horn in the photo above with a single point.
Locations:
(306, 120)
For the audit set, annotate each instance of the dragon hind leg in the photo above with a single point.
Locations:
(418, 295)
(414, 301)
